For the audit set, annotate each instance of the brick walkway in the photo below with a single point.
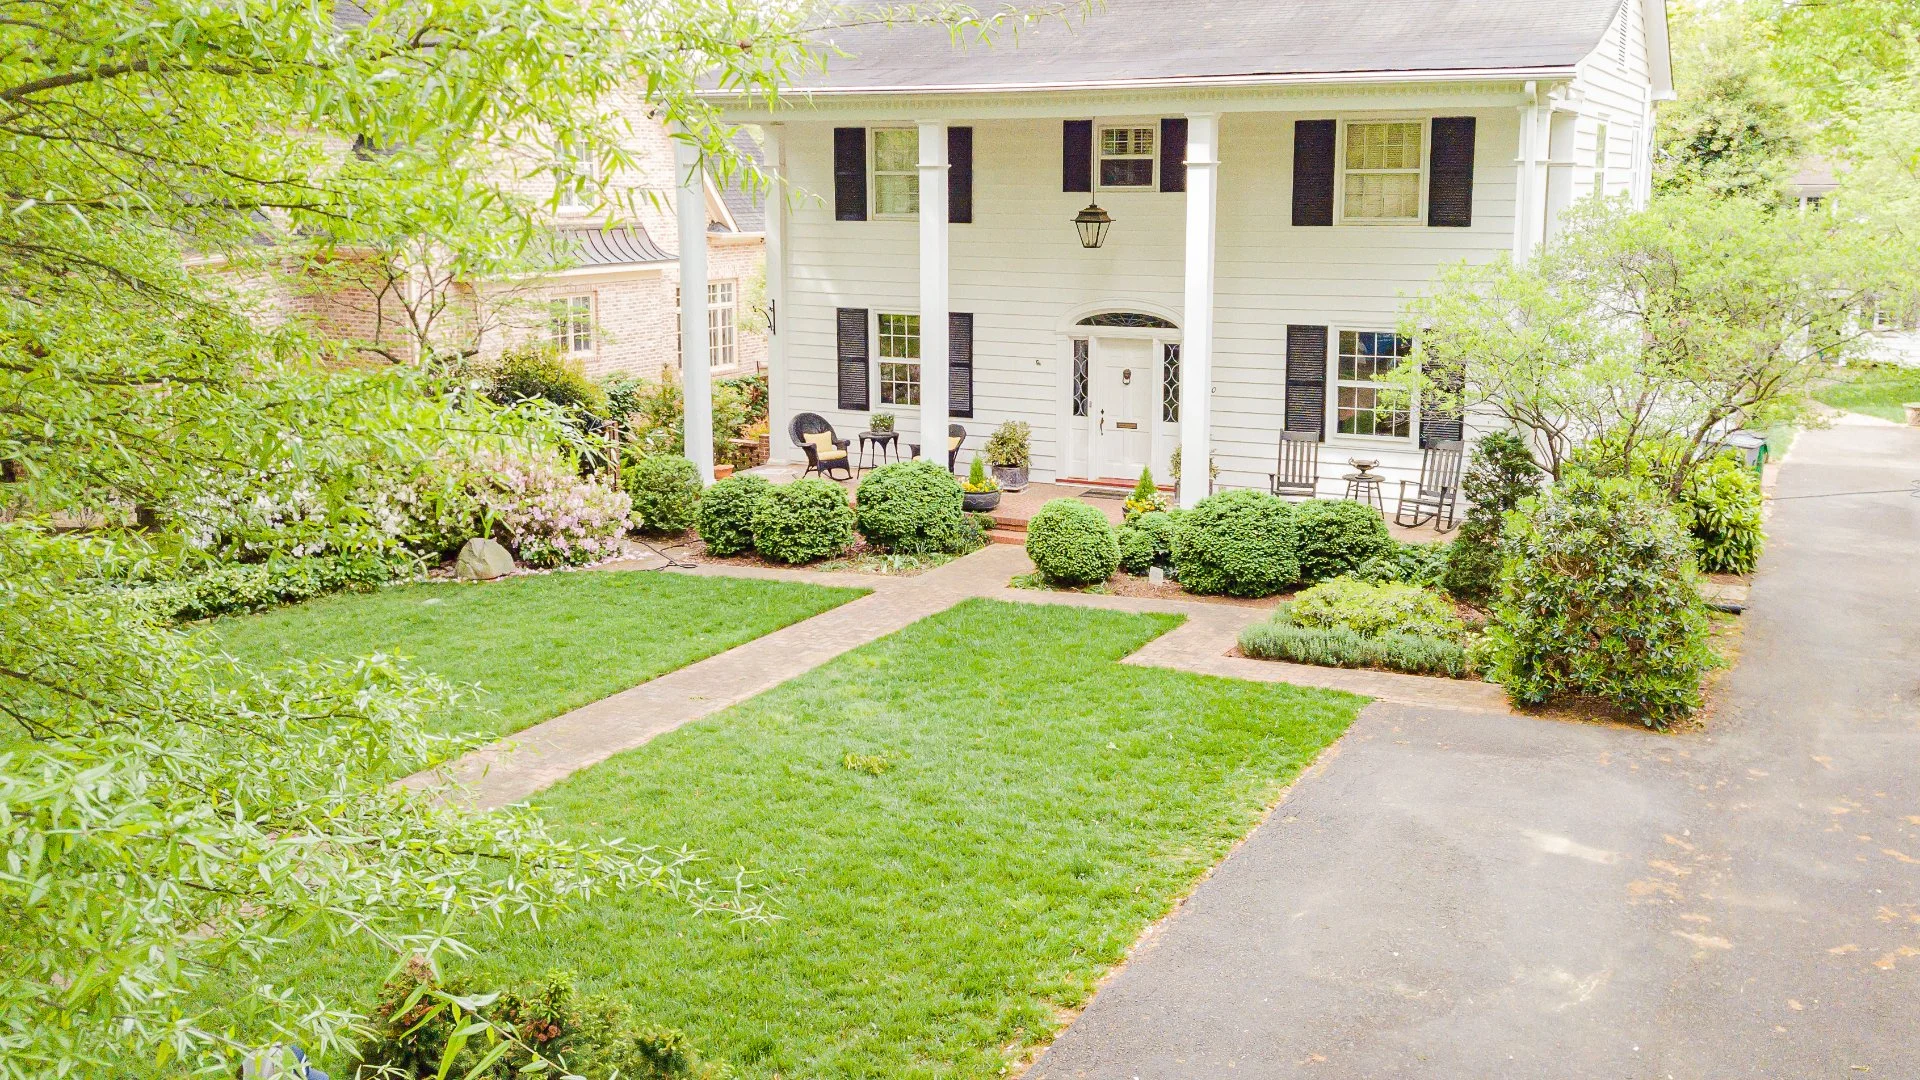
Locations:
(520, 766)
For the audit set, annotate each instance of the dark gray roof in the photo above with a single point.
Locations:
(748, 211)
(1199, 40)
(624, 245)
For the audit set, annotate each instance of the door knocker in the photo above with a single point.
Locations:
(1126, 376)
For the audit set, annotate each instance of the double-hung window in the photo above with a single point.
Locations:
(722, 319)
(896, 172)
(1126, 157)
(899, 359)
(573, 173)
(1600, 149)
(1383, 164)
(1364, 356)
(570, 324)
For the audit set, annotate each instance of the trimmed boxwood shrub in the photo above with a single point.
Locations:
(1598, 596)
(911, 506)
(1241, 543)
(1147, 542)
(666, 493)
(1071, 543)
(1721, 505)
(1392, 608)
(726, 513)
(802, 522)
(1336, 536)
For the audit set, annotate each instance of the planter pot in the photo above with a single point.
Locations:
(1010, 477)
(1913, 413)
(979, 502)
(721, 472)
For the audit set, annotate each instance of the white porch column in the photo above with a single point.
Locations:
(773, 153)
(1196, 334)
(690, 205)
(1530, 189)
(933, 291)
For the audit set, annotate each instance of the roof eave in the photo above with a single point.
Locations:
(1326, 78)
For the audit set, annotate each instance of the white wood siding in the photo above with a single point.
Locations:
(1613, 86)
(1020, 269)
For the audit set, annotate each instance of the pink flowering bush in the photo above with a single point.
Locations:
(546, 512)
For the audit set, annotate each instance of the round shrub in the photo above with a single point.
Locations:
(726, 513)
(541, 372)
(1241, 543)
(665, 491)
(911, 506)
(1721, 503)
(1598, 596)
(1336, 536)
(1147, 542)
(1071, 543)
(802, 521)
(1372, 610)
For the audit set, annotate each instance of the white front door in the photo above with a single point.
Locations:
(1124, 382)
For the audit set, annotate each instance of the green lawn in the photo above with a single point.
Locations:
(539, 645)
(1879, 390)
(1041, 806)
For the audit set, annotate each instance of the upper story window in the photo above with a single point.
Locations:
(570, 324)
(1600, 150)
(573, 173)
(1364, 356)
(1126, 157)
(899, 359)
(1383, 166)
(896, 172)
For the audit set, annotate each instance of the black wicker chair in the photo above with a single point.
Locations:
(954, 431)
(826, 463)
(1437, 493)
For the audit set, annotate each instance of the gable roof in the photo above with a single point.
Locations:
(1134, 42)
(746, 208)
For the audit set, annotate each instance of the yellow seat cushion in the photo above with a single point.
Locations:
(822, 443)
(830, 456)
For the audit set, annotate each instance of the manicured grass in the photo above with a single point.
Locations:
(1878, 390)
(1017, 808)
(536, 646)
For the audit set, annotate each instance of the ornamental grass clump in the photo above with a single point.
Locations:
(1241, 543)
(665, 489)
(726, 513)
(1336, 535)
(1598, 596)
(804, 521)
(913, 507)
(1072, 544)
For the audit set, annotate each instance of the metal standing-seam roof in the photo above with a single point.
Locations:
(624, 245)
(1129, 42)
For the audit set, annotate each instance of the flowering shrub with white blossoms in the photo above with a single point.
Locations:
(542, 509)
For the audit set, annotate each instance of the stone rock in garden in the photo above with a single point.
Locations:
(482, 559)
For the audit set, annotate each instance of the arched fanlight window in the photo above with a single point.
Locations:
(1132, 319)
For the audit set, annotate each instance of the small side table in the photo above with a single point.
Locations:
(1365, 488)
(883, 445)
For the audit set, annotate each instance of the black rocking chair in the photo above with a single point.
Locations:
(954, 431)
(1436, 495)
(824, 462)
(1298, 465)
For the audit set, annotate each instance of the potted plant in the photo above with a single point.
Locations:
(1009, 452)
(1213, 470)
(1146, 497)
(882, 421)
(980, 493)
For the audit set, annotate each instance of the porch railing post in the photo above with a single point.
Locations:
(1196, 342)
(933, 291)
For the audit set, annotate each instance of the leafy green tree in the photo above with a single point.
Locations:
(1733, 129)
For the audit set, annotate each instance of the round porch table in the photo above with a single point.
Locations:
(1365, 488)
(884, 446)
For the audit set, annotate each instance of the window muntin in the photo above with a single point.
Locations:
(896, 172)
(1170, 383)
(722, 320)
(1600, 149)
(1081, 376)
(1364, 356)
(1126, 157)
(570, 324)
(899, 337)
(1131, 320)
(573, 173)
(1382, 168)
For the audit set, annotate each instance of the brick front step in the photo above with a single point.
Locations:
(1008, 536)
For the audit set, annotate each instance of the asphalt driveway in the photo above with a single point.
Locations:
(1452, 894)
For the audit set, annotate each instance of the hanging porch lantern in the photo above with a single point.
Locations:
(1092, 224)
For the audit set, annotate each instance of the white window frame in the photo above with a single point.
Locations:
(881, 360)
(1602, 149)
(570, 323)
(874, 173)
(723, 320)
(1340, 170)
(1335, 382)
(573, 175)
(1151, 156)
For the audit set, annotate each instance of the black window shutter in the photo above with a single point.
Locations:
(1173, 154)
(852, 333)
(960, 364)
(1440, 424)
(960, 175)
(1076, 155)
(1313, 152)
(1450, 173)
(1307, 379)
(850, 174)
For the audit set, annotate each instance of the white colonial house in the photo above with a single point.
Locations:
(1279, 178)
